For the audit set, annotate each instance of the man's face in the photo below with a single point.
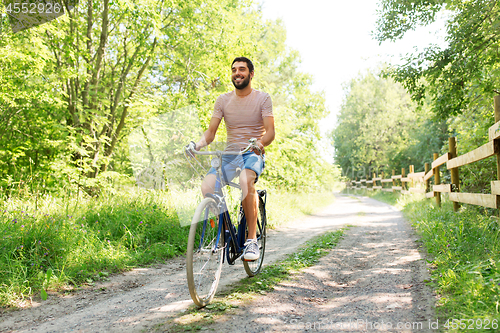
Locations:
(241, 76)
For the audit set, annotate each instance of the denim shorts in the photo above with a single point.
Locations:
(248, 160)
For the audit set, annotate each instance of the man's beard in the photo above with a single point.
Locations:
(243, 84)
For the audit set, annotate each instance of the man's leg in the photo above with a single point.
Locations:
(229, 166)
(247, 183)
(250, 207)
(208, 184)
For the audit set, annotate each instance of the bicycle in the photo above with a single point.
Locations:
(214, 238)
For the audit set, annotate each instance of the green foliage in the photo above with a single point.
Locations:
(464, 253)
(294, 157)
(455, 77)
(45, 282)
(380, 129)
(457, 81)
(72, 90)
(82, 240)
(471, 131)
(298, 205)
(30, 129)
(396, 17)
(392, 198)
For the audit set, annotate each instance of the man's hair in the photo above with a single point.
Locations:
(244, 59)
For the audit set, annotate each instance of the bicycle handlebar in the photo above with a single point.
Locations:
(190, 149)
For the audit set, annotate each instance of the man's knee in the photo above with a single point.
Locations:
(247, 180)
(208, 184)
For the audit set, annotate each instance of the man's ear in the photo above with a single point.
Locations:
(251, 74)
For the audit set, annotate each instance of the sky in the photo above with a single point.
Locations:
(334, 40)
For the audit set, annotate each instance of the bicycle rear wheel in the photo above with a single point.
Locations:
(253, 267)
(204, 258)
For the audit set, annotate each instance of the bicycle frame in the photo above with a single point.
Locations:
(235, 238)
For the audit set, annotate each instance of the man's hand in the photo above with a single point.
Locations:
(190, 147)
(268, 136)
(260, 146)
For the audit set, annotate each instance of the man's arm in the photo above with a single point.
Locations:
(269, 135)
(209, 134)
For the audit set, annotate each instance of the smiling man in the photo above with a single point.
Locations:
(247, 113)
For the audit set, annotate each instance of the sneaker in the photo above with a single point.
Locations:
(251, 252)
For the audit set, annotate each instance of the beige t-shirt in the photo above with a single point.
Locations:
(244, 116)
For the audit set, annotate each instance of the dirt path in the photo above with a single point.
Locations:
(372, 281)
(373, 278)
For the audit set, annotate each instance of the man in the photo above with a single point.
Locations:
(247, 114)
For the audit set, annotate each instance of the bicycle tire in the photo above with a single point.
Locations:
(253, 267)
(203, 261)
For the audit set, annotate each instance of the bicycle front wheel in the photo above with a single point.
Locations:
(253, 267)
(204, 253)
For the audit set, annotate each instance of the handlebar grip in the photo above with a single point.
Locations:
(190, 148)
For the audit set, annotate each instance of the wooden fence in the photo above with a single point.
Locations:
(419, 182)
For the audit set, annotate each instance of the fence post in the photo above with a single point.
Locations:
(437, 180)
(393, 180)
(427, 182)
(455, 181)
(496, 101)
(412, 181)
(403, 185)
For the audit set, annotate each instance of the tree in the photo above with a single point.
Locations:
(30, 117)
(102, 54)
(456, 77)
(103, 61)
(379, 128)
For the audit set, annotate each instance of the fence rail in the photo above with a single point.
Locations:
(419, 182)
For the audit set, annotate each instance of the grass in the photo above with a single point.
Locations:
(82, 241)
(306, 256)
(64, 243)
(464, 253)
(285, 207)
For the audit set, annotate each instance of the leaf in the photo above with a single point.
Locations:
(44, 295)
